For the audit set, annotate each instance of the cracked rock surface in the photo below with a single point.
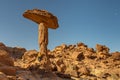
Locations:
(68, 62)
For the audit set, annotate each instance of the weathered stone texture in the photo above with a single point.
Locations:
(45, 20)
(42, 16)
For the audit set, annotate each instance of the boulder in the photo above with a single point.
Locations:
(71, 47)
(60, 65)
(83, 71)
(16, 52)
(5, 58)
(3, 47)
(89, 54)
(30, 56)
(81, 46)
(102, 48)
(116, 56)
(102, 51)
(71, 69)
(77, 56)
(60, 48)
(102, 55)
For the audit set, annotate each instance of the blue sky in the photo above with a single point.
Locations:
(87, 21)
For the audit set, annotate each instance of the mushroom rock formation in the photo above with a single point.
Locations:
(45, 20)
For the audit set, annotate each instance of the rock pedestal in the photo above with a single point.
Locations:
(45, 20)
(43, 42)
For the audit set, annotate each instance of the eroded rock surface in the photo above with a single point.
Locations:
(45, 20)
(42, 16)
(68, 62)
(16, 52)
(81, 62)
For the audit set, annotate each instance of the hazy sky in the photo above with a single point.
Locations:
(87, 21)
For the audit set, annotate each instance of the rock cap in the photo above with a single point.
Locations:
(42, 16)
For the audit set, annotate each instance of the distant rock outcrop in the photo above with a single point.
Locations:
(6, 61)
(16, 52)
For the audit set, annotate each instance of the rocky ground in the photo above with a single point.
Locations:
(68, 62)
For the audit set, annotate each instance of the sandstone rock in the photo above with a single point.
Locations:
(102, 51)
(26, 75)
(28, 60)
(6, 62)
(16, 52)
(30, 56)
(43, 42)
(102, 55)
(71, 70)
(113, 78)
(60, 48)
(102, 48)
(36, 75)
(63, 76)
(60, 66)
(91, 50)
(77, 56)
(12, 77)
(2, 46)
(45, 20)
(105, 75)
(68, 61)
(70, 47)
(3, 76)
(81, 46)
(98, 72)
(40, 16)
(89, 54)
(8, 70)
(116, 56)
(5, 58)
(70, 57)
(83, 71)
(64, 46)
